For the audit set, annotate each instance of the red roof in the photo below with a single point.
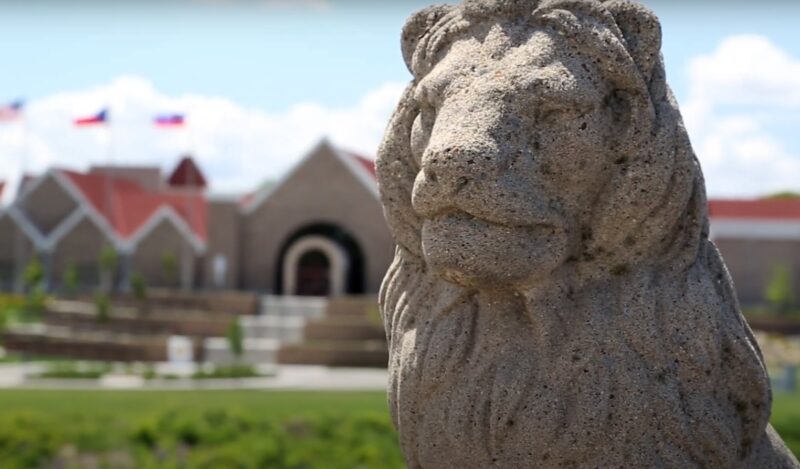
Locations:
(366, 163)
(127, 206)
(762, 209)
(187, 174)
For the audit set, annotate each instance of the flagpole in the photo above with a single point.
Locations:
(19, 248)
(109, 182)
(190, 182)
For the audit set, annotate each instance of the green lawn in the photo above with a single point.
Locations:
(786, 419)
(225, 429)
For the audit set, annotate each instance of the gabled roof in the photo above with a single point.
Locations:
(361, 167)
(187, 174)
(758, 209)
(126, 206)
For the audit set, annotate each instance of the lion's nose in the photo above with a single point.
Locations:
(445, 176)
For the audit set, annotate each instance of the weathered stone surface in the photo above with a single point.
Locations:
(555, 300)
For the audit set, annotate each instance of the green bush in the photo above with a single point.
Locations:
(33, 275)
(102, 306)
(71, 280)
(231, 371)
(235, 337)
(71, 370)
(11, 307)
(35, 295)
(139, 287)
(169, 267)
(109, 260)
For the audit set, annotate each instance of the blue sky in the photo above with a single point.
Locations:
(322, 62)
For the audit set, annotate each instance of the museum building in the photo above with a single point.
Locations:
(319, 231)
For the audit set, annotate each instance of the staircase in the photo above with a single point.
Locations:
(344, 332)
(72, 329)
(350, 334)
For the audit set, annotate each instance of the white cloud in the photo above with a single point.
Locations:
(738, 97)
(237, 146)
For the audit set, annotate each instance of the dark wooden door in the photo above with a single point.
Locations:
(313, 274)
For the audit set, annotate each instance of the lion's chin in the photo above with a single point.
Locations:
(479, 254)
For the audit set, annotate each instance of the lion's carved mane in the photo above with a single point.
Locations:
(630, 353)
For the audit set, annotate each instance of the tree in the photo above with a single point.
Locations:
(71, 280)
(235, 337)
(779, 291)
(109, 260)
(102, 306)
(169, 266)
(34, 274)
(33, 280)
(139, 287)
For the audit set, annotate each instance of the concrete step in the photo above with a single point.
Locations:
(371, 354)
(216, 350)
(282, 329)
(352, 306)
(293, 306)
(344, 328)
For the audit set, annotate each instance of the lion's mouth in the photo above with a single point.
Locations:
(457, 217)
(485, 253)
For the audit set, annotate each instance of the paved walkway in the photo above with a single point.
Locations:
(287, 377)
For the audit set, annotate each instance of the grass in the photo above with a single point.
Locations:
(786, 419)
(236, 429)
(225, 429)
(127, 404)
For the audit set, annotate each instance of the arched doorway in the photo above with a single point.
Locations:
(335, 248)
(315, 266)
(313, 276)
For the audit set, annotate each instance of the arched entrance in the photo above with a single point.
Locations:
(320, 260)
(315, 266)
(313, 274)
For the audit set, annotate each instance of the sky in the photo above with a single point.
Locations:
(262, 81)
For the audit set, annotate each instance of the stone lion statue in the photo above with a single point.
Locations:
(555, 300)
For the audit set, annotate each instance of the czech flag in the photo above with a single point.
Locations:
(169, 120)
(11, 111)
(99, 118)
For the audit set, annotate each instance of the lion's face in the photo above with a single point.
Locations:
(512, 144)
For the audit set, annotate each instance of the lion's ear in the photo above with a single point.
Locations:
(642, 32)
(418, 26)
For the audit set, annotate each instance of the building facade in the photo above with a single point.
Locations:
(319, 231)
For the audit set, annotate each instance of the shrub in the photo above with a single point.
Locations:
(139, 286)
(71, 280)
(33, 275)
(227, 372)
(235, 337)
(109, 260)
(169, 267)
(70, 370)
(102, 306)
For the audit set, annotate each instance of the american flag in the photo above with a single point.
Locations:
(11, 111)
